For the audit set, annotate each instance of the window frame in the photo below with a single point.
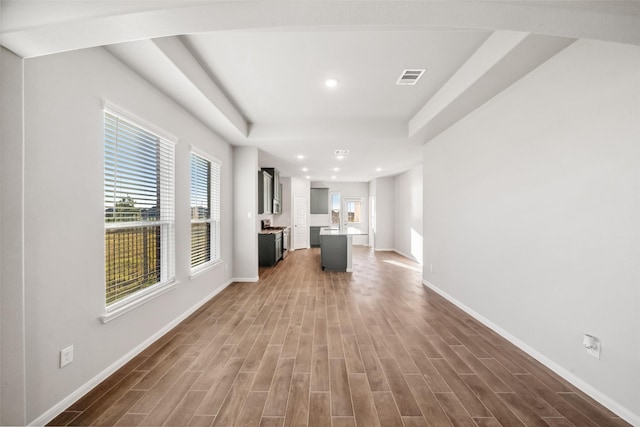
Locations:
(215, 223)
(332, 205)
(167, 223)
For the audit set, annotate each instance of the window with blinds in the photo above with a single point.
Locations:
(205, 211)
(138, 208)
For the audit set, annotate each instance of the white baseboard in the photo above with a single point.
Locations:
(245, 279)
(88, 386)
(597, 395)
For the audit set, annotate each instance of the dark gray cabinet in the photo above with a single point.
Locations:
(320, 201)
(333, 252)
(314, 236)
(269, 248)
(265, 192)
(269, 191)
(277, 204)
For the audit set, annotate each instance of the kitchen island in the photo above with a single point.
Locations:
(335, 248)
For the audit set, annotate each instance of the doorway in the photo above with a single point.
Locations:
(353, 220)
(372, 220)
(300, 231)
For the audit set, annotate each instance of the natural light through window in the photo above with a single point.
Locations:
(403, 265)
(138, 208)
(335, 209)
(416, 245)
(205, 211)
(354, 208)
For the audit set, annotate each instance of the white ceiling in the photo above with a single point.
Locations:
(254, 71)
(278, 76)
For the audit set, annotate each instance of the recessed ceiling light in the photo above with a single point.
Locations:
(378, 169)
(300, 157)
(305, 169)
(340, 157)
(336, 169)
(308, 177)
(331, 82)
(333, 177)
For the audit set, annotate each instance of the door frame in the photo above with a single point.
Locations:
(296, 199)
(372, 220)
(345, 217)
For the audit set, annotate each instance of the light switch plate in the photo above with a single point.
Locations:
(595, 352)
(66, 356)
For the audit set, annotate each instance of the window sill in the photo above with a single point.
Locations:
(201, 269)
(156, 291)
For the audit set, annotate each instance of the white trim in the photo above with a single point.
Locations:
(205, 155)
(134, 224)
(59, 407)
(246, 279)
(203, 268)
(137, 299)
(597, 395)
(139, 121)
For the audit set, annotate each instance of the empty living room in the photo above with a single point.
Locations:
(320, 213)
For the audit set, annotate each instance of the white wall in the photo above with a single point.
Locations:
(532, 208)
(385, 207)
(12, 308)
(407, 237)
(245, 224)
(64, 231)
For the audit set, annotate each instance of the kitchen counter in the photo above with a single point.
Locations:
(270, 231)
(332, 231)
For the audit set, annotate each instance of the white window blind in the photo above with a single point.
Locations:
(205, 211)
(139, 208)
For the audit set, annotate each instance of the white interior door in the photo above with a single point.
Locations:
(300, 232)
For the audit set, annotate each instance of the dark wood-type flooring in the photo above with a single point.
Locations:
(304, 347)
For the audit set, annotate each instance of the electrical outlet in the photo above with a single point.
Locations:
(431, 268)
(66, 356)
(595, 352)
(592, 345)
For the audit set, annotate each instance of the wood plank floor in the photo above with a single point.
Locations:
(303, 347)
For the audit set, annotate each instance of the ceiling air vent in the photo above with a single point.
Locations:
(410, 77)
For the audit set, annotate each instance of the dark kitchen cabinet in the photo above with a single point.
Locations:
(334, 252)
(314, 236)
(265, 192)
(269, 191)
(269, 248)
(320, 201)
